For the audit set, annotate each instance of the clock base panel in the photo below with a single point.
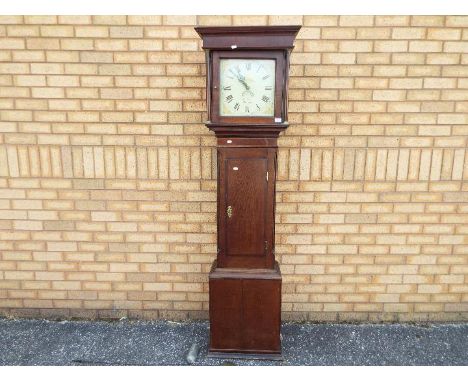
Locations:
(245, 313)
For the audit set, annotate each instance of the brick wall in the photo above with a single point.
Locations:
(107, 173)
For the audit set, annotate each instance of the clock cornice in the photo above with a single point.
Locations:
(248, 37)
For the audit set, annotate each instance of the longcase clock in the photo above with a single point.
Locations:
(247, 92)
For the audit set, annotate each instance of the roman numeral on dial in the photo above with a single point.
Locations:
(229, 98)
(265, 98)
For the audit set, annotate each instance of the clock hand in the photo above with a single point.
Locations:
(245, 84)
(247, 87)
(241, 79)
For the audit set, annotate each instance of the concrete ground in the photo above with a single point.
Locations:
(40, 342)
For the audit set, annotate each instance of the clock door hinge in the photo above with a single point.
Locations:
(267, 176)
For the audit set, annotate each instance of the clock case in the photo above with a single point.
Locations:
(245, 279)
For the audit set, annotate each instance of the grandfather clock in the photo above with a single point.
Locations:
(247, 93)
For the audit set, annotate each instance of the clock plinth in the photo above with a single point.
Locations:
(247, 87)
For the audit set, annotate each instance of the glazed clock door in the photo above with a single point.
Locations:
(247, 87)
(246, 198)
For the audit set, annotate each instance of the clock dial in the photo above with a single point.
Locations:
(247, 88)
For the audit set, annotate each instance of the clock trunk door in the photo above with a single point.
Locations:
(246, 196)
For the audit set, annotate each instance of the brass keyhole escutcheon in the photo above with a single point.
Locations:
(229, 211)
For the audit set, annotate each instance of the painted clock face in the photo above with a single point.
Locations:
(247, 88)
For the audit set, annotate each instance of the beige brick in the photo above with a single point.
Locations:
(4, 19)
(391, 46)
(109, 20)
(91, 31)
(425, 46)
(374, 33)
(457, 21)
(454, 46)
(250, 20)
(162, 32)
(76, 44)
(392, 20)
(144, 20)
(12, 43)
(427, 20)
(126, 32)
(179, 45)
(361, 21)
(338, 33)
(319, 46)
(179, 20)
(22, 30)
(212, 20)
(443, 34)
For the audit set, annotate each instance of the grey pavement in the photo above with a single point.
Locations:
(41, 342)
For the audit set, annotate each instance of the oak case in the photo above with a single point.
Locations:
(245, 279)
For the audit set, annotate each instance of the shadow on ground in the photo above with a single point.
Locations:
(40, 342)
